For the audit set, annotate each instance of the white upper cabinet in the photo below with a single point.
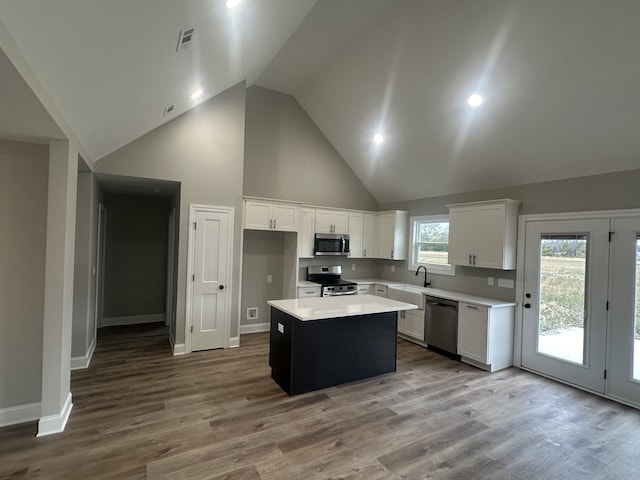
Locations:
(307, 223)
(332, 221)
(267, 215)
(356, 234)
(368, 235)
(483, 234)
(392, 235)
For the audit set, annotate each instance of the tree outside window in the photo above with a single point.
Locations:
(430, 244)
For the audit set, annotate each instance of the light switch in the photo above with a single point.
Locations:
(280, 328)
(490, 281)
(269, 279)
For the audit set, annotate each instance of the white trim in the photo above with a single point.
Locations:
(193, 208)
(55, 423)
(19, 414)
(178, 349)
(234, 342)
(438, 269)
(133, 319)
(632, 212)
(520, 266)
(255, 328)
(78, 363)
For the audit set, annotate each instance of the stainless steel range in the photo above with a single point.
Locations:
(332, 284)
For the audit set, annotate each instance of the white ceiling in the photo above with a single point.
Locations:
(560, 79)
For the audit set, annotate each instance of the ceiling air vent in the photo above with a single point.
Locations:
(168, 110)
(185, 38)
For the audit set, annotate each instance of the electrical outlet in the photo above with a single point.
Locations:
(269, 279)
(490, 281)
(505, 283)
(393, 268)
(353, 266)
(280, 327)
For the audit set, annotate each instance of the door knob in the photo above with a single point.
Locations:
(221, 287)
(527, 305)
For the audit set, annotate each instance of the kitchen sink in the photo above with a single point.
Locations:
(408, 294)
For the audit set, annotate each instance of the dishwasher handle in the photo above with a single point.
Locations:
(443, 302)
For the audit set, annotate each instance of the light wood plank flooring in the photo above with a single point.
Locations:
(141, 414)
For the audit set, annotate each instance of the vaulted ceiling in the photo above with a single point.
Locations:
(558, 77)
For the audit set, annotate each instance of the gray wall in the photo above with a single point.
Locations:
(598, 192)
(23, 222)
(135, 256)
(287, 157)
(364, 267)
(204, 150)
(263, 254)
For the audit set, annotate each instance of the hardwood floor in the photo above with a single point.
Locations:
(140, 413)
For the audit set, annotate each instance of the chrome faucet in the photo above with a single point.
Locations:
(426, 284)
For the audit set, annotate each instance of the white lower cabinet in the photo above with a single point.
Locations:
(411, 323)
(485, 336)
(304, 292)
(379, 290)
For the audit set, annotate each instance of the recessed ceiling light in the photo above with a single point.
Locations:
(232, 3)
(475, 100)
(196, 94)
(378, 139)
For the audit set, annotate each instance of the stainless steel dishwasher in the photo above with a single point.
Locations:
(441, 324)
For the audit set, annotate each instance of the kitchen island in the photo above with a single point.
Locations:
(325, 341)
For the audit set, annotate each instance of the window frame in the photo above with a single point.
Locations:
(413, 264)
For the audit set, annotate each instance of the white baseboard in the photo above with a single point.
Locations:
(78, 363)
(133, 319)
(19, 414)
(255, 328)
(55, 423)
(178, 349)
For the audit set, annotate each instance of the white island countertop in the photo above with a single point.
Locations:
(318, 308)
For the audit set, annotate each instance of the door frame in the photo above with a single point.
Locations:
(193, 210)
(520, 266)
(101, 244)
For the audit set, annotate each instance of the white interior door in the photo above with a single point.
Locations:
(623, 369)
(211, 274)
(565, 300)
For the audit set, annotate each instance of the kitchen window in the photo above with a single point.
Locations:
(430, 244)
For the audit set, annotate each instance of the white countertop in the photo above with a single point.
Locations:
(438, 292)
(306, 283)
(318, 308)
(435, 292)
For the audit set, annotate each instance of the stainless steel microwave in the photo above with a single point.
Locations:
(331, 244)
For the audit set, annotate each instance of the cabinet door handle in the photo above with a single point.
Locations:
(270, 223)
(391, 253)
(364, 252)
(274, 223)
(470, 260)
(474, 259)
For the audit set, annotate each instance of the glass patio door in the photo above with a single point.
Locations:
(623, 367)
(564, 309)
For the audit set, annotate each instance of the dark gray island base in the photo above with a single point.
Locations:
(310, 355)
